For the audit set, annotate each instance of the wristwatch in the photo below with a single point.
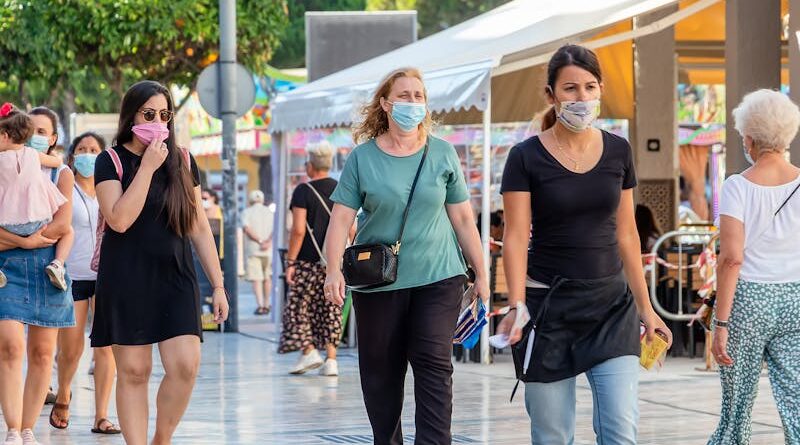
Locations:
(717, 323)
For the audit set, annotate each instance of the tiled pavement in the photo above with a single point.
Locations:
(245, 396)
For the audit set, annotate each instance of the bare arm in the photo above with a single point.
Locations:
(630, 251)
(463, 223)
(339, 227)
(50, 161)
(203, 242)
(10, 241)
(517, 206)
(731, 255)
(298, 233)
(121, 210)
(62, 219)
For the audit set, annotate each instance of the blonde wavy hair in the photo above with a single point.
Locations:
(374, 120)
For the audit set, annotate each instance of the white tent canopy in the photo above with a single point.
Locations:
(458, 62)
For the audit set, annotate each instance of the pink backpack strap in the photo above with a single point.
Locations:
(117, 163)
(187, 157)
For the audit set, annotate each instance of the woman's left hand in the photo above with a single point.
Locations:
(481, 287)
(719, 347)
(653, 323)
(220, 305)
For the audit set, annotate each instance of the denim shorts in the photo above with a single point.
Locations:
(29, 297)
(26, 229)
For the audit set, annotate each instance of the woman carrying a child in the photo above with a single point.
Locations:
(35, 231)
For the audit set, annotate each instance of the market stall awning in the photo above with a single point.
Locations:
(458, 62)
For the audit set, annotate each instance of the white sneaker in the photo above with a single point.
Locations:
(57, 274)
(13, 438)
(330, 368)
(28, 438)
(307, 362)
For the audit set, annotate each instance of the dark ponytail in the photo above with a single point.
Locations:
(568, 55)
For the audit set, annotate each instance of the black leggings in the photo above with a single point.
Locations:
(405, 326)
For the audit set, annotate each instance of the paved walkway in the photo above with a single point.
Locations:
(245, 396)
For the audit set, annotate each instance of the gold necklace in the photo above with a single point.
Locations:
(576, 162)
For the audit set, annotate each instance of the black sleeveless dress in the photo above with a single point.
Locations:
(146, 283)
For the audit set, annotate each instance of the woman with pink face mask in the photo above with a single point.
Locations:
(149, 194)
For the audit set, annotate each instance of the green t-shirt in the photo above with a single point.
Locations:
(379, 184)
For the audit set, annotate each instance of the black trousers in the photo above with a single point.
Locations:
(414, 326)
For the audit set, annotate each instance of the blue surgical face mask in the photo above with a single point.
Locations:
(84, 164)
(408, 115)
(39, 143)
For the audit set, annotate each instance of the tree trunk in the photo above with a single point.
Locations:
(116, 82)
(21, 93)
(69, 109)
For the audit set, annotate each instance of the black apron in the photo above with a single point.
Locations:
(579, 324)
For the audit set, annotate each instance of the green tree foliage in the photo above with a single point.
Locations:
(292, 51)
(93, 49)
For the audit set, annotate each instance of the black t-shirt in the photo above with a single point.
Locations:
(574, 223)
(316, 215)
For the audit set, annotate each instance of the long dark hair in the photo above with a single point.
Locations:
(71, 151)
(180, 201)
(647, 225)
(50, 114)
(568, 55)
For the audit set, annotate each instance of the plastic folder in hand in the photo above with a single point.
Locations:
(470, 323)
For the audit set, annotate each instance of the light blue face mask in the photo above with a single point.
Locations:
(408, 115)
(84, 164)
(39, 143)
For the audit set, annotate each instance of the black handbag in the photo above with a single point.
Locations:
(368, 266)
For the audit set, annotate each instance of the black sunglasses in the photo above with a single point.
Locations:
(150, 115)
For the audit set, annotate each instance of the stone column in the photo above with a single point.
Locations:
(653, 131)
(752, 61)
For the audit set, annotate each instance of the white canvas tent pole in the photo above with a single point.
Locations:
(486, 201)
(280, 157)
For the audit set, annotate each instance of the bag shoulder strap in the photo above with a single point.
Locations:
(396, 247)
(117, 162)
(321, 199)
(787, 200)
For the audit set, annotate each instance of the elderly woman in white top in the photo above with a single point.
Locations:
(758, 289)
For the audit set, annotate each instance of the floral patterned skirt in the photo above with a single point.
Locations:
(309, 319)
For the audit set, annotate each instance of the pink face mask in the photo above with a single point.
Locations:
(150, 131)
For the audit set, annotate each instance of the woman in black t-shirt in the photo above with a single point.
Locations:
(570, 190)
(146, 284)
(310, 322)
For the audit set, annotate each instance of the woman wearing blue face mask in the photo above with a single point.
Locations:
(81, 158)
(412, 319)
(570, 192)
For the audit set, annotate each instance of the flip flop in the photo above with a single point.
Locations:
(112, 429)
(62, 407)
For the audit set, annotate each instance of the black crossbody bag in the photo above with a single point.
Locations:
(368, 266)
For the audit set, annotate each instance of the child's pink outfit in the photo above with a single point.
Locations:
(27, 198)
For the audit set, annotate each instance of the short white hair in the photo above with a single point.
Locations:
(320, 155)
(769, 117)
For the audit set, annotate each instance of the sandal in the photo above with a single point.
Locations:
(110, 429)
(53, 419)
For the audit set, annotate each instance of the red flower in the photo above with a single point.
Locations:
(5, 109)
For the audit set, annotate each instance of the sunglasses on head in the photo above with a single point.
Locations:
(149, 115)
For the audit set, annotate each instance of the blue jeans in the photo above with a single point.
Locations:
(615, 383)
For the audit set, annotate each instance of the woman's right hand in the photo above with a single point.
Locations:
(154, 155)
(506, 327)
(335, 287)
(37, 241)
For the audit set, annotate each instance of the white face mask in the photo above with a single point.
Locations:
(206, 204)
(577, 116)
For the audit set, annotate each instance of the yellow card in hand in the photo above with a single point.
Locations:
(653, 351)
